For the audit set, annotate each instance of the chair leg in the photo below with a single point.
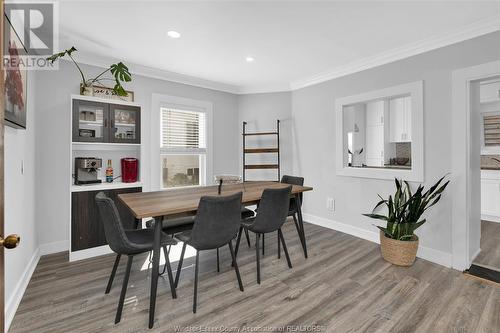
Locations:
(113, 272)
(279, 246)
(179, 266)
(165, 252)
(195, 295)
(263, 246)
(280, 233)
(169, 273)
(218, 267)
(230, 244)
(124, 290)
(248, 237)
(257, 240)
(238, 239)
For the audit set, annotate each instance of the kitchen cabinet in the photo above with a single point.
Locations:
(105, 122)
(375, 133)
(490, 92)
(400, 119)
(87, 231)
(490, 195)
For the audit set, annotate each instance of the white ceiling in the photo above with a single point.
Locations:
(293, 42)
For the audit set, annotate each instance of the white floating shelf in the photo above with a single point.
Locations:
(104, 186)
(106, 146)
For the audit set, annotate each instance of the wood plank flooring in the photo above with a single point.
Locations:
(490, 245)
(344, 286)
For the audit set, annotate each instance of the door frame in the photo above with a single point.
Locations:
(462, 79)
(2, 124)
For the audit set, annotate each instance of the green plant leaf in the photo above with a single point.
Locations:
(119, 90)
(58, 55)
(376, 216)
(120, 72)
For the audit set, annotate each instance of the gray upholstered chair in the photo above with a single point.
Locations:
(185, 223)
(271, 214)
(292, 211)
(216, 224)
(129, 243)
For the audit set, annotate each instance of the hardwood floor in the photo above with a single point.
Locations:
(344, 286)
(490, 245)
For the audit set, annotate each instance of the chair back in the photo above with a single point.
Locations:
(217, 221)
(113, 227)
(273, 210)
(286, 179)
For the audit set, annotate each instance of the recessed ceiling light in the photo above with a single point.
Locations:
(249, 59)
(173, 34)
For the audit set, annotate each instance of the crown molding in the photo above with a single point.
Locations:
(477, 29)
(155, 73)
(471, 31)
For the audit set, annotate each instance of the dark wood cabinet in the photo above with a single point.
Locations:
(106, 122)
(87, 230)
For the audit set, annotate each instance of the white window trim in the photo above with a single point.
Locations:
(416, 174)
(182, 103)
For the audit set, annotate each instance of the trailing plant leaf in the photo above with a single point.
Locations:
(55, 56)
(119, 71)
(405, 208)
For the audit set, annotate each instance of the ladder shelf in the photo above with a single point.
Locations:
(266, 150)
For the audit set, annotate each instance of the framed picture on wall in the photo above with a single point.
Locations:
(15, 78)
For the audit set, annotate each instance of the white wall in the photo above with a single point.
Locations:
(261, 111)
(20, 206)
(53, 137)
(314, 141)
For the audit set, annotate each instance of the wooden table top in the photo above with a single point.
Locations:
(185, 201)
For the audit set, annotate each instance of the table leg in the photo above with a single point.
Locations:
(154, 271)
(301, 223)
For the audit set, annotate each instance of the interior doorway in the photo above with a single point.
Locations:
(486, 109)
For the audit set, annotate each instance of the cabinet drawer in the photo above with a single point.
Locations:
(87, 230)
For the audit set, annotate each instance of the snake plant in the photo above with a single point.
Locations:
(405, 208)
(119, 71)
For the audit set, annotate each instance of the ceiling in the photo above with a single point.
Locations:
(294, 43)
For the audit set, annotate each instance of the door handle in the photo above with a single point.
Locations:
(10, 242)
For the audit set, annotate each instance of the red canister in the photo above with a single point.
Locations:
(130, 169)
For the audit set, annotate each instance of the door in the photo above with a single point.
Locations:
(90, 121)
(13, 240)
(2, 115)
(87, 231)
(125, 124)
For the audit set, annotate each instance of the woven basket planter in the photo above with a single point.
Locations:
(401, 253)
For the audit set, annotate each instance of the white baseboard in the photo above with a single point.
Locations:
(89, 253)
(13, 302)
(54, 247)
(490, 218)
(473, 257)
(435, 256)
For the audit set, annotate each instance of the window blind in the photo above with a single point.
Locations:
(492, 130)
(182, 129)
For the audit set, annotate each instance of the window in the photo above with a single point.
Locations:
(491, 127)
(380, 133)
(183, 147)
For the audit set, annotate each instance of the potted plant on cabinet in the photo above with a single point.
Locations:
(119, 71)
(398, 242)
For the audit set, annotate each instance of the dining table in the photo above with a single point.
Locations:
(173, 203)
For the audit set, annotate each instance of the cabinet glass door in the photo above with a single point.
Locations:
(90, 121)
(125, 124)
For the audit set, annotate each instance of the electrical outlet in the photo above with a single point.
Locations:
(330, 204)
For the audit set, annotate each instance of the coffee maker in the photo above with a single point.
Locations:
(86, 170)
